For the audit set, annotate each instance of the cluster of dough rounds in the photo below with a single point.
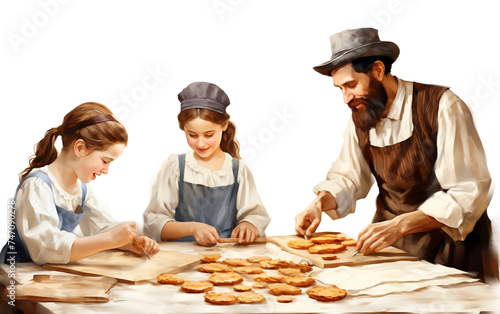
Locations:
(326, 245)
(229, 272)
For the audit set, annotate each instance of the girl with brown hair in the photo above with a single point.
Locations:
(208, 193)
(58, 217)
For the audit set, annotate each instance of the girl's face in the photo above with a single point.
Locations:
(94, 163)
(204, 137)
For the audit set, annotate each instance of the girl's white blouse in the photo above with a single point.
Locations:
(37, 219)
(165, 192)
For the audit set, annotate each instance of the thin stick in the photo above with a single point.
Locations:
(235, 240)
(137, 242)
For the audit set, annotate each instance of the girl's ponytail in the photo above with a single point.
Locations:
(229, 143)
(45, 152)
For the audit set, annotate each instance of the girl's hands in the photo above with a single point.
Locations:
(124, 237)
(122, 234)
(245, 232)
(149, 245)
(205, 234)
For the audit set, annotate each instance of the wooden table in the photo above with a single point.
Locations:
(151, 297)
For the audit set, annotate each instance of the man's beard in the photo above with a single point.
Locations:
(371, 113)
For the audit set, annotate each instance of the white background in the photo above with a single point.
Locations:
(58, 54)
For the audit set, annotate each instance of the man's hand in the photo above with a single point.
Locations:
(377, 236)
(246, 232)
(380, 235)
(307, 221)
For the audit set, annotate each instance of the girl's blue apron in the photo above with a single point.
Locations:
(15, 247)
(215, 206)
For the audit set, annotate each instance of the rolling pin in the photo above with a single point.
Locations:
(235, 240)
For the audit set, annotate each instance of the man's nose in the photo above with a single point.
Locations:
(348, 97)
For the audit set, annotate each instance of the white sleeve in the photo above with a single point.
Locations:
(37, 223)
(164, 198)
(460, 169)
(248, 203)
(96, 219)
(349, 177)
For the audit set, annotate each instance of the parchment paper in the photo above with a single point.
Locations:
(65, 288)
(394, 277)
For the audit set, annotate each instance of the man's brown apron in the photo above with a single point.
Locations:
(405, 176)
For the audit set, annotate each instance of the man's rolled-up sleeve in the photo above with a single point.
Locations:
(460, 169)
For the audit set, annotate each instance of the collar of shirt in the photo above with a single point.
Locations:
(398, 125)
(197, 174)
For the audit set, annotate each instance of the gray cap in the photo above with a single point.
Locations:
(205, 96)
(352, 44)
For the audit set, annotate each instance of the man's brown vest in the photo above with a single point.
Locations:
(405, 176)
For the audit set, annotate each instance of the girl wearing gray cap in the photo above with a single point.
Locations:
(208, 193)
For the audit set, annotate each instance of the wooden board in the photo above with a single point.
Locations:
(344, 258)
(65, 288)
(128, 267)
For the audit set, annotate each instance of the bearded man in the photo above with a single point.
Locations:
(419, 143)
